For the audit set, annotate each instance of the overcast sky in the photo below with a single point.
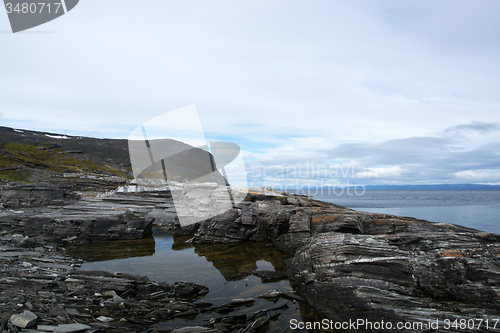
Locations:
(373, 92)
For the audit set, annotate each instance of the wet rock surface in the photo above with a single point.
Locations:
(444, 277)
(35, 195)
(57, 215)
(347, 264)
(41, 290)
(351, 264)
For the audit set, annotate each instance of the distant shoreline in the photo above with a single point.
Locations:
(408, 187)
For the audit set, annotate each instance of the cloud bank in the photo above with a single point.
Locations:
(406, 90)
(453, 157)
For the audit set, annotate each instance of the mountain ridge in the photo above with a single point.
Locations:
(83, 163)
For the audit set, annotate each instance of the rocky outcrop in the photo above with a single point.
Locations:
(85, 182)
(65, 219)
(279, 218)
(288, 221)
(79, 226)
(353, 265)
(35, 195)
(437, 276)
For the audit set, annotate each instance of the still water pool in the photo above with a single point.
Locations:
(226, 269)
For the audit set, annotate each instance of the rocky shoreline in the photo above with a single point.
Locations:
(41, 290)
(347, 264)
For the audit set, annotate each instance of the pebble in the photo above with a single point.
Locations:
(71, 328)
(104, 319)
(23, 320)
(46, 328)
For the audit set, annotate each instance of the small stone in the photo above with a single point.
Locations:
(195, 329)
(275, 314)
(71, 328)
(70, 239)
(259, 323)
(117, 298)
(203, 304)
(271, 294)
(241, 301)
(46, 328)
(270, 276)
(23, 320)
(111, 293)
(238, 319)
(104, 319)
(292, 296)
(223, 327)
(73, 312)
(189, 289)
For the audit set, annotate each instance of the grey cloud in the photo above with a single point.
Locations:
(418, 160)
(424, 159)
(1, 115)
(401, 151)
(475, 126)
(485, 157)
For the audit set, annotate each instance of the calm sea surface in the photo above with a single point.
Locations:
(479, 209)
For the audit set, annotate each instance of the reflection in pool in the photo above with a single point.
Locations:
(226, 269)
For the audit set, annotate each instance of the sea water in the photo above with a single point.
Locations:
(478, 209)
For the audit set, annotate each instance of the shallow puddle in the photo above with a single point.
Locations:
(226, 269)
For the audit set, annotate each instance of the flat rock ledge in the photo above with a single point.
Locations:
(62, 216)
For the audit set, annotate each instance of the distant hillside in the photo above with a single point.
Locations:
(115, 149)
(82, 163)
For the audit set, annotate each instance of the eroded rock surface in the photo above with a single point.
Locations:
(35, 195)
(401, 277)
(351, 264)
(58, 215)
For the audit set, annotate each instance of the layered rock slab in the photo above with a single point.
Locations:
(80, 221)
(403, 277)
